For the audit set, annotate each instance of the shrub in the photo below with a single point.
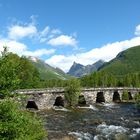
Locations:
(16, 124)
(125, 96)
(137, 99)
(72, 92)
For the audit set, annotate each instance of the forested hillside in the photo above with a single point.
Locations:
(48, 72)
(124, 70)
(126, 62)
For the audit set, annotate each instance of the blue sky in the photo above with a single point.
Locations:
(63, 31)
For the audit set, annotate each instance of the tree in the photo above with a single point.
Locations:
(72, 92)
(28, 74)
(16, 72)
(16, 124)
(9, 64)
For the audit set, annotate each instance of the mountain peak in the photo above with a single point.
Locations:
(74, 63)
(79, 70)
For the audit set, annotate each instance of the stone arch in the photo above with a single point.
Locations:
(116, 97)
(59, 101)
(130, 96)
(100, 97)
(82, 100)
(31, 104)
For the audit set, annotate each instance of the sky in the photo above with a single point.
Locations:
(63, 31)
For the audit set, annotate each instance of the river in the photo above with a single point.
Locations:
(96, 122)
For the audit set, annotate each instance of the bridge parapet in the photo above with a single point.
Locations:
(38, 91)
(112, 89)
(62, 90)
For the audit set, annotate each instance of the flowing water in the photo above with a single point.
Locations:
(96, 122)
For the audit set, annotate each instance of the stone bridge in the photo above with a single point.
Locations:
(47, 98)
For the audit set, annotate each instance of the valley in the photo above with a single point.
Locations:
(70, 70)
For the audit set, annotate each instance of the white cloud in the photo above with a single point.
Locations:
(61, 61)
(137, 31)
(55, 31)
(22, 49)
(63, 40)
(39, 52)
(17, 32)
(45, 31)
(43, 39)
(50, 36)
(43, 35)
(106, 52)
(13, 46)
(34, 19)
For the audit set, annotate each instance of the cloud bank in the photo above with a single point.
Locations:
(16, 33)
(22, 49)
(106, 52)
(55, 37)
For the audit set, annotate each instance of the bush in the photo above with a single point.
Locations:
(72, 92)
(16, 124)
(137, 100)
(125, 96)
(137, 97)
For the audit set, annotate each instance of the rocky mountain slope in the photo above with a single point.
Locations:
(79, 70)
(48, 72)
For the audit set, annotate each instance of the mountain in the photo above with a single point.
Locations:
(125, 62)
(46, 71)
(79, 70)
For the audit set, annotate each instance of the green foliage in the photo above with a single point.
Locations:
(98, 79)
(16, 72)
(49, 73)
(54, 83)
(28, 74)
(126, 62)
(16, 124)
(137, 97)
(105, 79)
(124, 70)
(137, 100)
(72, 92)
(125, 96)
(9, 64)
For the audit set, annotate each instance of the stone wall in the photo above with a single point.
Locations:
(45, 98)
